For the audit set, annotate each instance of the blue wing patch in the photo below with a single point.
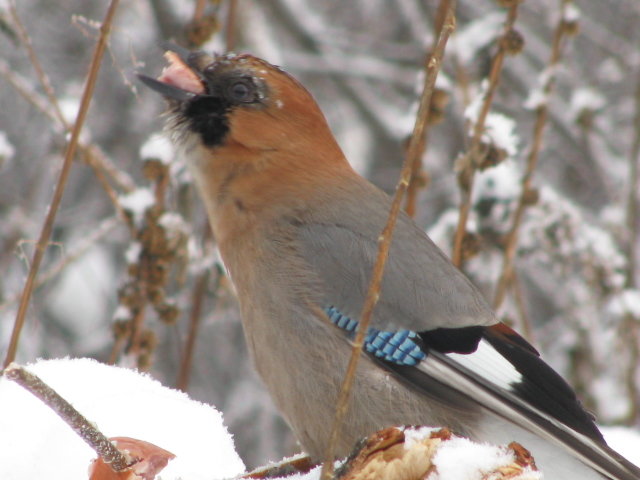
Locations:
(398, 347)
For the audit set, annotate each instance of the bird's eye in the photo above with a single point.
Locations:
(242, 91)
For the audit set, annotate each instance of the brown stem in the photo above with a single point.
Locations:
(417, 179)
(511, 241)
(630, 324)
(525, 323)
(62, 180)
(384, 241)
(83, 427)
(231, 30)
(33, 58)
(473, 155)
(197, 300)
(632, 195)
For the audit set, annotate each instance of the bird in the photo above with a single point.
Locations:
(297, 229)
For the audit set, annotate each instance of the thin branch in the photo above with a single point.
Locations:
(231, 27)
(50, 107)
(62, 181)
(33, 58)
(542, 112)
(419, 178)
(632, 195)
(630, 324)
(197, 300)
(384, 241)
(524, 322)
(473, 156)
(198, 11)
(22, 87)
(83, 427)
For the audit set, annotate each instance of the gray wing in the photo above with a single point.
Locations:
(421, 289)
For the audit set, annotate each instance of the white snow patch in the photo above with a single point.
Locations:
(626, 302)
(571, 13)
(122, 313)
(132, 255)
(157, 147)
(137, 202)
(585, 99)
(462, 459)
(537, 96)
(69, 107)
(499, 129)
(35, 443)
(625, 441)
(476, 35)
(499, 182)
(6, 149)
(173, 222)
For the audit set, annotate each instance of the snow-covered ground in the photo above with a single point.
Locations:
(35, 443)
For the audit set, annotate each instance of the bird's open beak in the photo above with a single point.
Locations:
(182, 79)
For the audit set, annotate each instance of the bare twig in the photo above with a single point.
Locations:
(384, 241)
(231, 27)
(83, 427)
(33, 58)
(525, 324)
(542, 111)
(632, 194)
(630, 323)
(194, 325)
(50, 106)
(473, 156)
(198, 11)
(419, 178)
(62, 180)
(22, 87)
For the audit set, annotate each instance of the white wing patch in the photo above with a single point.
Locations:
(489, 364)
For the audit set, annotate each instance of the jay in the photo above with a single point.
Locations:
(298, 230)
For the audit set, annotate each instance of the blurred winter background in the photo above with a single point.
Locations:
(131, 272)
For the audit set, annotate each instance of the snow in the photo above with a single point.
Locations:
(626, 302)
(499, 182)
(499, 129)
(6, 149)
(173, 223)
(123, 402)
(462, 459)
(624, 441)
(536, 99)
(137, 203)
(571, 13)
(476, 35)
(585, 99)
(132, 254)
(120, 402)
(158, 147)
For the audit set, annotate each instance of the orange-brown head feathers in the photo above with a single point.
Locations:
(240, 101)
(253, 136)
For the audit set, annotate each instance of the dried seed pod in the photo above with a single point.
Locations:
(513, 42)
